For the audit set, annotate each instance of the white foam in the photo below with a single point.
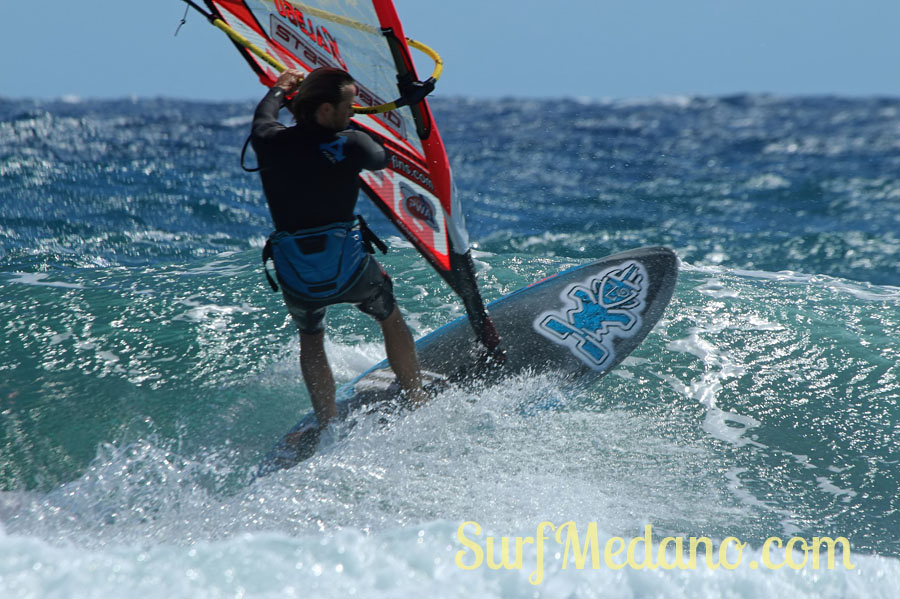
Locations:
(829, 487)
(376, 513)
(403, 562)
(237, 121)
(860, 290)
(769, 182)
(715, 288)
(40, 279)
(213, 314)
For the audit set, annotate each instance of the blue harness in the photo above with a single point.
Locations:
(322, 262)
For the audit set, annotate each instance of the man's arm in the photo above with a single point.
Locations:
(373, 156)
(265, 119)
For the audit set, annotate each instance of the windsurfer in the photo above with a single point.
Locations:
(310, 176)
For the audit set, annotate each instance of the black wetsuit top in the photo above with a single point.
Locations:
(310, 174)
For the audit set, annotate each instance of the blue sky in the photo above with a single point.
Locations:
(491, 48)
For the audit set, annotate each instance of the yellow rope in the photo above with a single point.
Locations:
(237, 37)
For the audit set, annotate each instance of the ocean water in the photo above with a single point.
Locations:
(145, 366)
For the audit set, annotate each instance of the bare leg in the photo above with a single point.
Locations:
(318, 377)
(401, 355)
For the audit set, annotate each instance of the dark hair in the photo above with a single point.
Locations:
(322, 85)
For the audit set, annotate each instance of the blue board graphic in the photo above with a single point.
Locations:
(604, 306)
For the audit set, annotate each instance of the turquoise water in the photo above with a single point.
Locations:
(146, 366)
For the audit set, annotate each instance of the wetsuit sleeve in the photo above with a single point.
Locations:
(373, 156)
(265, 119)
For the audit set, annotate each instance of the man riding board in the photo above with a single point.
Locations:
(310, 176)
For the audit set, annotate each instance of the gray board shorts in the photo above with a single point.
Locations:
(373, 294)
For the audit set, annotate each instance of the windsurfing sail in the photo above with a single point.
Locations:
(365, 38)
